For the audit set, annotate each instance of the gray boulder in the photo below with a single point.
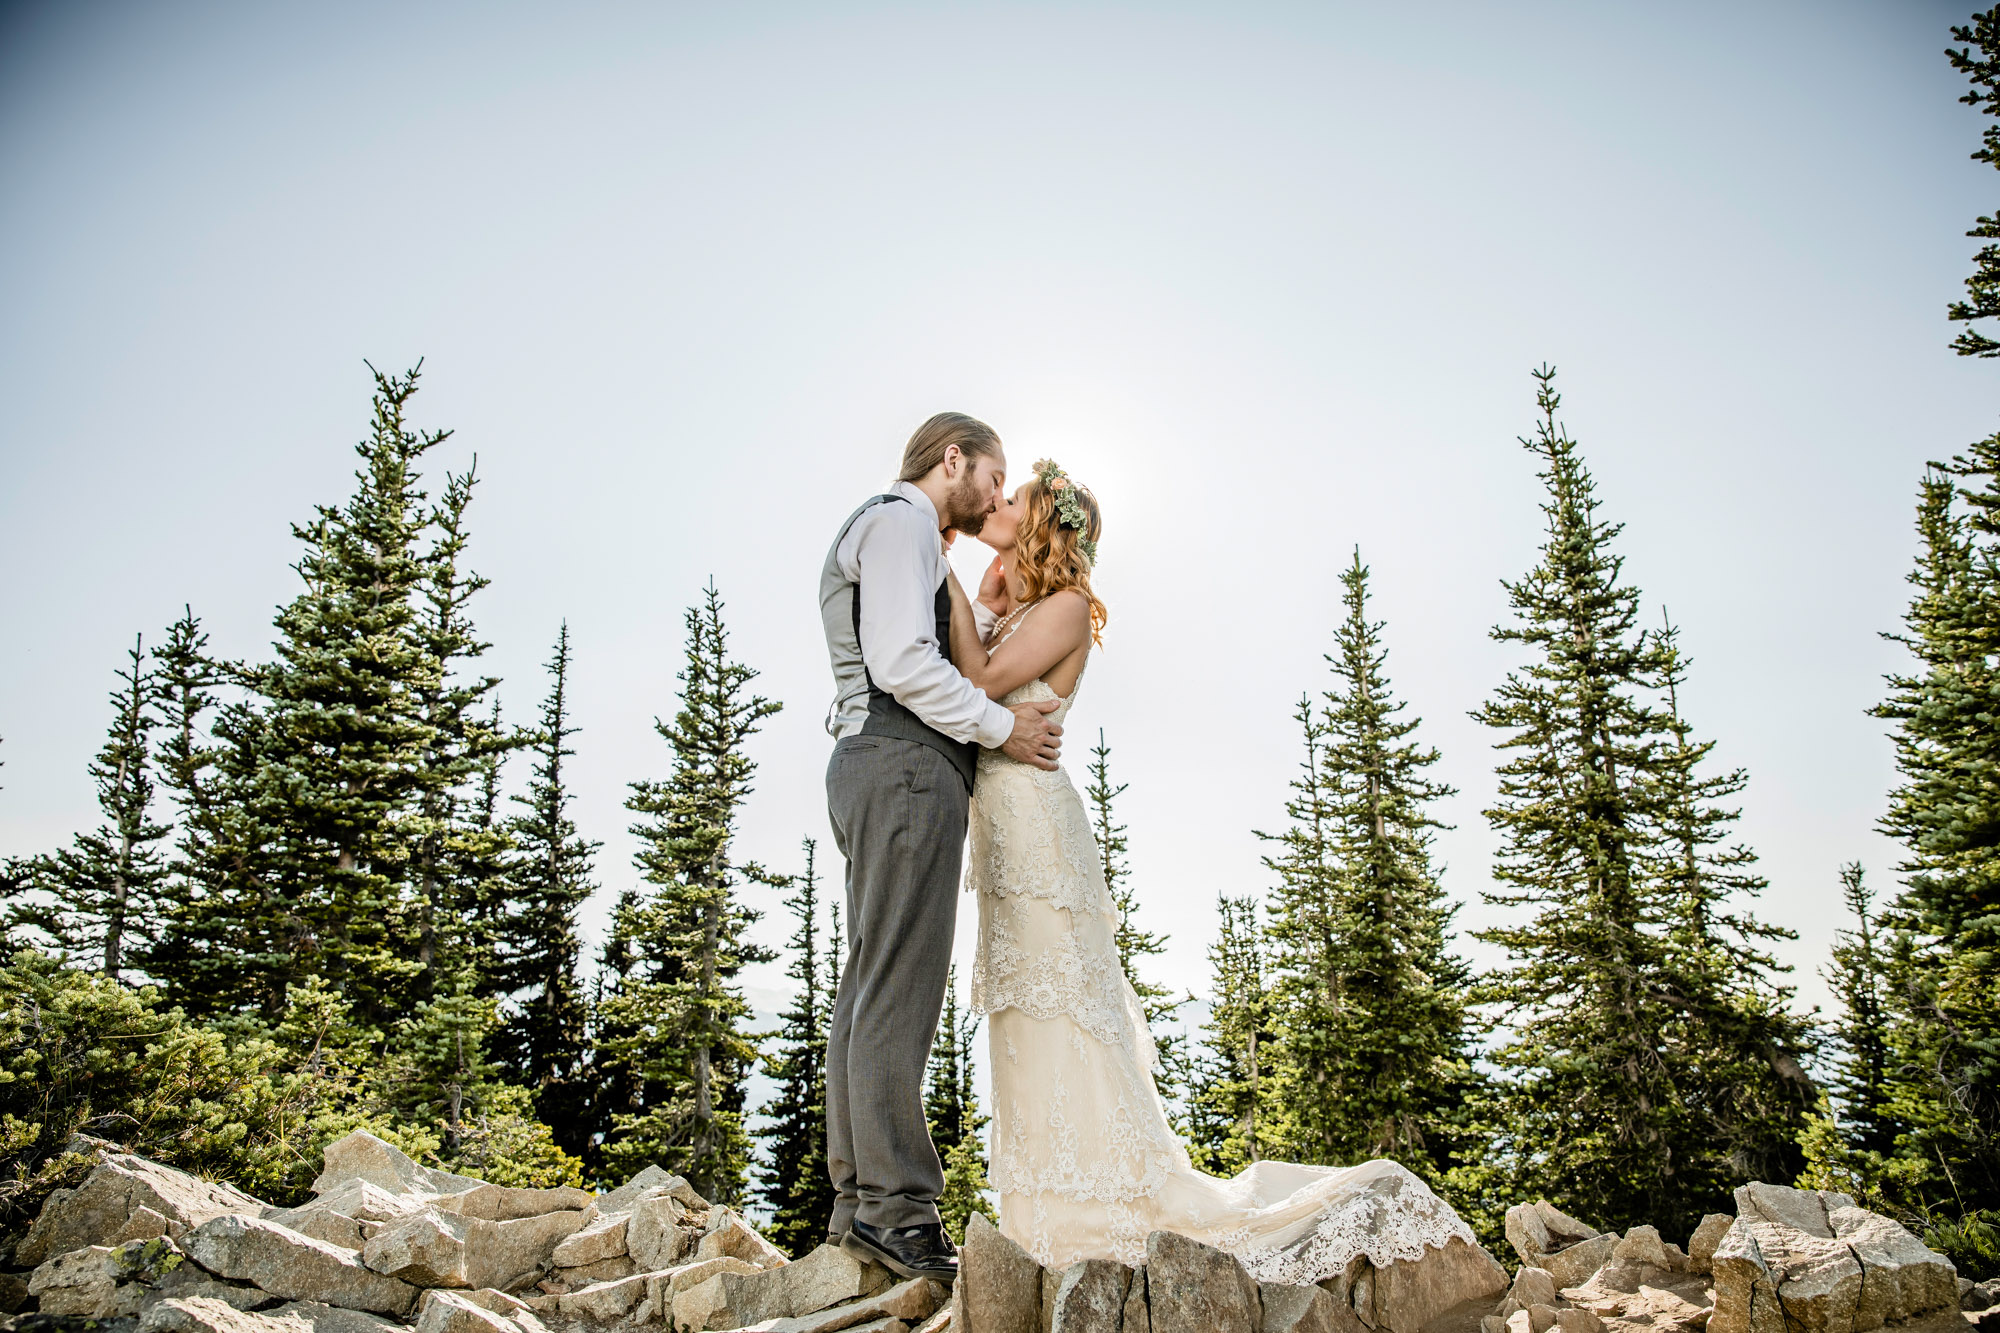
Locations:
(196, 1314)
(362, 1156)
(319, 1317)
(1409, 1293)
(1701, 1245)
(426, 1249)
(454, 1312)
(730, 1236)
(297, 1267)
(127, 1198)
(653, 1233)
(1808, 1260)
(1194, 1288)
(1138, 1316)
(602, 1239)
(1302, 1309)
(1090, 1297)
(999, 1288)
(507, 1203)
(110, 1281)
(1546, 1237)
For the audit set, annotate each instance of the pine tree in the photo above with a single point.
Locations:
(1979, 61)
(794, 1182)
(1372, 1051)
(1592, 1068)
(951, 1105)
(1858, 977)
(1228, 1119)
(443, 1063)
(542, 1041)
(99, 893)
(1158, 1003)
(676, 1013)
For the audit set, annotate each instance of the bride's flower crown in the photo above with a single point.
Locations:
(1069, 511)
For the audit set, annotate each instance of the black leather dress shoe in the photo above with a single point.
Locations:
(920, 1251)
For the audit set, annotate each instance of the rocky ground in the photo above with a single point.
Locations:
(387, 1244)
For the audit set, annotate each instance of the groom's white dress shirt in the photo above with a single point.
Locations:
(894, 554)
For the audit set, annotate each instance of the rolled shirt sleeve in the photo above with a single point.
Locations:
(898, 565)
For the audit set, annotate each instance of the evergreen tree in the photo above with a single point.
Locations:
(795, 1183)
(1858, 978)
(1159, 1003)
(456, 844)
(1602, 1094)
(951, 1105)
(1372, 1051)
(99, 893)
(1979, 61)
(317, 775)
(1738, 1044)
(677, 1016)
(1228, 1120)
(1945, 1075)
(542, 1042)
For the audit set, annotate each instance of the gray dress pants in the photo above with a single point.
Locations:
(899, 811)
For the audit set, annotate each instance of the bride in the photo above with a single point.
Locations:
(1083, 1158)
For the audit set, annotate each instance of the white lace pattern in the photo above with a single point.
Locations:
(1084, 1160)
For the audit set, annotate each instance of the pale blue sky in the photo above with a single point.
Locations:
(1269, 278)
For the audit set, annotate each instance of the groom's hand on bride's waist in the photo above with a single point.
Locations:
(1035, 740)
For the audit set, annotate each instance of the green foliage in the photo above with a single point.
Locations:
(1160, 1004)
(673, 1036)
(1858, 976)
(1971, 1242)
(543, 1038)
(1944, 927)
(1651, 1063)
(794, 1182)
(951, 1106)
(98, 897)
(1372, 1055)
(1979, 61)
(1227, 1121)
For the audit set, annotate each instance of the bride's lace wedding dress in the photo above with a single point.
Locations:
(1083, 1159)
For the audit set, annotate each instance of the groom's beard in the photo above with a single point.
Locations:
(964, 507)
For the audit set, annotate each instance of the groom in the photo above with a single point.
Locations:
(907, 730)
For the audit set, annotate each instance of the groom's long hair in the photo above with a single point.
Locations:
(974, 438)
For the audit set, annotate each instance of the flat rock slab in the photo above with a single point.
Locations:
(602, 1239)
(506, 1203)
(999, 1288)
(654, 1237)
(126, 1197)
(363, 1156)
(297, 1267)
(452, 1312)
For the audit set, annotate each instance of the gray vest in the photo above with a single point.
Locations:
(858, 698)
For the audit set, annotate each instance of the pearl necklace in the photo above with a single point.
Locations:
(1001, 627)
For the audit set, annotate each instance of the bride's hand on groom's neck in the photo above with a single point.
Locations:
(993, 591)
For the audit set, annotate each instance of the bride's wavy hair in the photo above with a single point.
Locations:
(1048, 555)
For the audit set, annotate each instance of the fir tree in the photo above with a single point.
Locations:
(100, 892)
(1979, 61)
(951, 1105)
(1596, 1062)
(1738, 1044)
(795, 1183)
(443, 1064)
(457, 845)
(1858, 978)
(1372, 1051)
(1946, 810)
(1227, 1119)
(303, 864)
(543, 1040)
(1159, 1003)
(678, 1016)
